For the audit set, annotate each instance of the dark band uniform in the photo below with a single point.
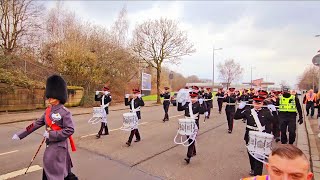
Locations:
(166, 104)
(230, 108)
(107, 99)
(265, 118)
(208, 100)
(138, 102)
(197, 109)
(220, 97)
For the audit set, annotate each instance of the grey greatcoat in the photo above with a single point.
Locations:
(56, 159)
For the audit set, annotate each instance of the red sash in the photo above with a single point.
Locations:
(57, 128)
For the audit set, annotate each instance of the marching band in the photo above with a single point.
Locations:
(260, 110)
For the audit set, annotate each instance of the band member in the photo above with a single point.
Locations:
(231, 99)
(105, 98)
(251, 94)
(57, 162)
(264, 118)
(208, 100)
(244, 98)
(166, 103)
(310, 100)
(289, 105)
(220, 97)
(135, 104)
(198, 108)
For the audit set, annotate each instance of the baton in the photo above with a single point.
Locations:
(44, 138)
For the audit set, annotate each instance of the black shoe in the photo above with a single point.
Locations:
(164, 120)
(128, 144)
(137, 140)
(229, 131)
(194, 154)
(98, 136)
(187, 160)
(251, 173)
(105, 134)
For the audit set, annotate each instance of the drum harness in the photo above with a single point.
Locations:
(257, 121)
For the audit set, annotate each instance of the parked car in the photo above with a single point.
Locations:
(174, 99)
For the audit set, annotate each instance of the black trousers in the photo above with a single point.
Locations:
(209, 106)
(256, 166)
(288, 122)
(105, 127)
(310, 105)
(166, 110)
(192, 148)
(230, 111)
(220, 105)
(70, 176)
(136, 133)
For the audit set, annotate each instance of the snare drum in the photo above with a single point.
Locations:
(187, 126)
(130, 121)
(260, 144)
(98, 114)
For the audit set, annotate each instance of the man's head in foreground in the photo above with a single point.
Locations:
(288, 162)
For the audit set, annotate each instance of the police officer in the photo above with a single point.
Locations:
(166, 103)
(264, 117)
(220, 97)
(288, 107)
(230, 99)
(198, 107)
(106, 98)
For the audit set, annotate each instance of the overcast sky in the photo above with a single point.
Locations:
(276, 38)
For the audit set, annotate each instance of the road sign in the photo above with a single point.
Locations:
(146, 81)
(316, 60)
(171, 75)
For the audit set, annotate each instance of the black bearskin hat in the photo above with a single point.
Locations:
(56, 88)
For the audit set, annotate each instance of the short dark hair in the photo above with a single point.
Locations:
(287, 151)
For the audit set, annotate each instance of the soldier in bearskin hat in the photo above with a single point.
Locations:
(59, 127)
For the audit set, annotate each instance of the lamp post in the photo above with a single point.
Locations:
(213, 65)
(318, 35)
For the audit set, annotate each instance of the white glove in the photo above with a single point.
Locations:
(206, 114)
(272, 107)
(15, 137)
(139, 95)
(127, 95)
(242, 105)
(200, 101)
(97, 92)
(46, 134)
(106, 93)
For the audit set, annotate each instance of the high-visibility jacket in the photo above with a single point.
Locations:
(265, 177)
(312, 98)
(287, 104)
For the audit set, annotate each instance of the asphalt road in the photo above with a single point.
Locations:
(219, 155)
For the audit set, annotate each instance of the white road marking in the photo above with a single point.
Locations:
(176, 116)
(109, 131)
(20, 172)
(8, 152)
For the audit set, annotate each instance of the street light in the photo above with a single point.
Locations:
(213, 65)
(318, 35)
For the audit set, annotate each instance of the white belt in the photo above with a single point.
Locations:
(136, 110)
(253, 128)
(231, 104)
(207, 99)
(166, 99)
(195, 115)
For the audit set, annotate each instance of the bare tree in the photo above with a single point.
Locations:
(309, 79)
(230, 71)
(156, 41)
(18, 23)
(119, 30)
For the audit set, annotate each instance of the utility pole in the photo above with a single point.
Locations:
(251, 77)
(213, 65)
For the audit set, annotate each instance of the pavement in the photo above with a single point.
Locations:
(219, 155)
(10, 117)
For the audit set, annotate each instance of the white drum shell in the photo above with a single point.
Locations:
(98, 112)
(130, 121)
(186, 127)
(260, 143)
